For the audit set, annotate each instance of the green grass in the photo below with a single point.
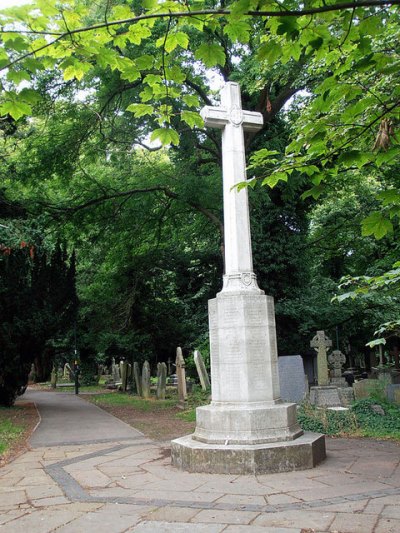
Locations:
(8, 433)
(123, 399)
(360, 421)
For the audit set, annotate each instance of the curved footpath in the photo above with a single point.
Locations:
(88, 471)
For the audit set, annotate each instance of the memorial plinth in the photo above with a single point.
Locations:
(246, 428)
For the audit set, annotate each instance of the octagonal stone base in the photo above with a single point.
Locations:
(300, 454)
(246, 424)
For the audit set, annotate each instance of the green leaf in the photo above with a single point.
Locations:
(238, 30)
(15, 108)
(391, 196)
(211, 54)
(314, 192)
(191, 100)
(270, 52)
(144, 62)
(274, 178)
(173, 40)
(140, 110)
(192, 119)
(377, 225)
(165, 136)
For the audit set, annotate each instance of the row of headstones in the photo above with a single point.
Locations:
(121, 374)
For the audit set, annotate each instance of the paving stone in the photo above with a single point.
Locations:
(47, 502)
(39, 521)
(10, 515)
(176, 527)
(179, 496)
(106, 520)
(276, 499)
(387, 525)
(224, 517)
(392, 511)
(341, 490)
(292, 519)
(345, 507)
(43, 491)
(241, 499)
(91, 478)
(260, 529)
(354, 523)
(171, 514)
(13, 497)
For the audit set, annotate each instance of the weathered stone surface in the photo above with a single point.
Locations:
(137, 377)
(161, 380)
(300, 454)
(146, 380)
(292, 379)
(181, 375)
(327, 396)
(201, 371)
(321, 343)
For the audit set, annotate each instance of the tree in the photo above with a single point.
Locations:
(37, 301)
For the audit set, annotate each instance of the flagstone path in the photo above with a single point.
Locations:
(87, 471)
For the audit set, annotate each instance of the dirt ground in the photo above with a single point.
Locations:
(23, 415)
(160, 425)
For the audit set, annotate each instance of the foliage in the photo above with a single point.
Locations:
(373, 424)
(326, 421)
(360, 420)
(37, 299)
(8, 433)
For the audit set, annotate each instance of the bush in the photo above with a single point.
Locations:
(322, 420)
(375, 424)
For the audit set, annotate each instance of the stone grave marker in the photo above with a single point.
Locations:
(292, 378)
(161, 380)
(337, 359)
(54, 378)
(246, 423)
(181, 375)
(321, 343)
(137, 378)
(115, 372)
(125, 373)
(146, 380)
(201, 370)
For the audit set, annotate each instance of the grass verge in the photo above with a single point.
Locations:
(16, 426)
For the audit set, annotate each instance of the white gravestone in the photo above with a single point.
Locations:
(246, 409)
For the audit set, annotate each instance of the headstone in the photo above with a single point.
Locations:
(337, 359)
(292, 379)
(321, 343)
(161, 380)
(125, 373)
(181, 374)
(115, 372)
(169, 362)
(137, 378)
(32, 374)
(68, 372)
(364, 388)
(246, 428)
(201, 370)
(54, 378)
(146, 380)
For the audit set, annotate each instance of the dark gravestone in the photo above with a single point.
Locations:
(292, 378)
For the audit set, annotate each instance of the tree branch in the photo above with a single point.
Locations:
(189, 14)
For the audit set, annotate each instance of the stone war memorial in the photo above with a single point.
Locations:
(247, 428)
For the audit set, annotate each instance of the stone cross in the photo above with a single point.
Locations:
(181, 375)
(233, 120)
(201, 370)
(321, 343)
(337, 359)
